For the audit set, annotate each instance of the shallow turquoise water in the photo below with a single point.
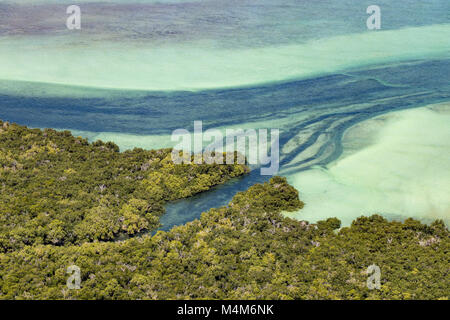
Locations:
(311, 69)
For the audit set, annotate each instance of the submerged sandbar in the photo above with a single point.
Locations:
(396, 164)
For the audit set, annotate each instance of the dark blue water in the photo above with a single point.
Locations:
(329, 104)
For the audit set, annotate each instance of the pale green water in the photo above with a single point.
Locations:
(200, 66)
(397, 164)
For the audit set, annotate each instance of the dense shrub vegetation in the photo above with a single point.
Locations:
(58, 189)
(246, 250)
